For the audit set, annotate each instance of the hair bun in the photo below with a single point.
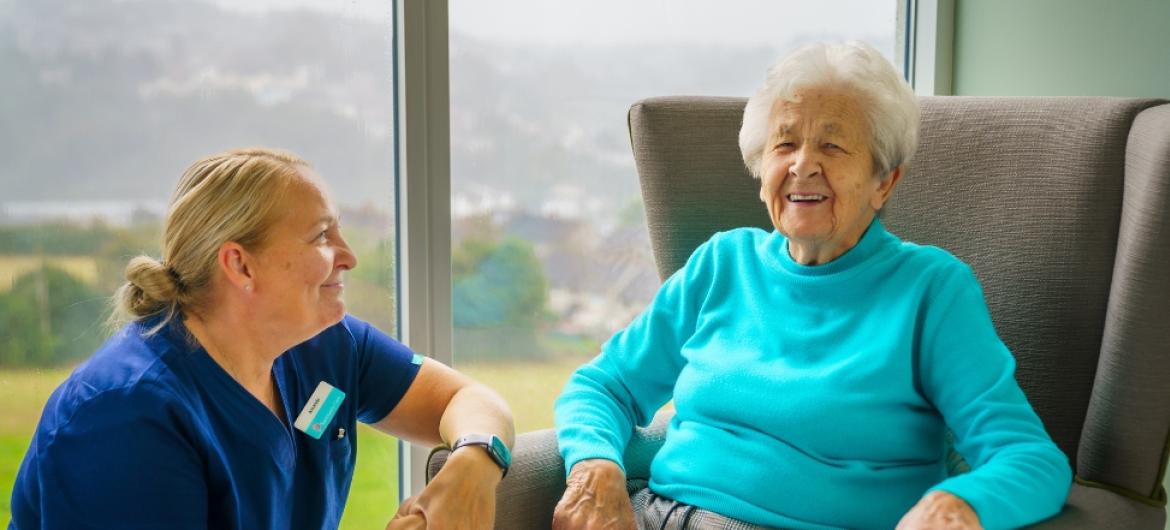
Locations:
(152, 286)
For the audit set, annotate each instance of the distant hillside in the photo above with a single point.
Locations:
(113, 98)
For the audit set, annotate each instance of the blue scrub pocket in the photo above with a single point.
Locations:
(340, 449)
(341, 456)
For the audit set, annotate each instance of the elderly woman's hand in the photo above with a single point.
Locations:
(595, 499)
(940, 510)
(462, 496)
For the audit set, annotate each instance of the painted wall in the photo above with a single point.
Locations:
(1062, 48)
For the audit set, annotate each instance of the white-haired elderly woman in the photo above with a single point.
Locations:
(814, 369)
(231, 398)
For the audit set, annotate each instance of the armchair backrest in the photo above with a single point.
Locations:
(1060, 205)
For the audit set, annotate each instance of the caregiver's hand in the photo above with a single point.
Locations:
(461, 497)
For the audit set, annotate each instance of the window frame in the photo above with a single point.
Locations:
(423, 167)
(423, 194)
(926, 37)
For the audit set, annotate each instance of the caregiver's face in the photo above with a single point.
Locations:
(817, 173)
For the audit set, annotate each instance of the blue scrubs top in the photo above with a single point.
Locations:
(152, 433)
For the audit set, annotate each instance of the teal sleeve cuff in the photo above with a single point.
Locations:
(576, 452)
(997, 511)
(973, 495)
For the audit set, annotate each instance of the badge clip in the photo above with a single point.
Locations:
(319, 411)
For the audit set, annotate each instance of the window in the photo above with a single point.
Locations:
(550, 254)
(104, 103)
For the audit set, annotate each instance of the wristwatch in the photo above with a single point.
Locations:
(492, 444)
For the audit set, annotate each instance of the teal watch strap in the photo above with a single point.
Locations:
(491, 443)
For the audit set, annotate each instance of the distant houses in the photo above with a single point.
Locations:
(598, 282)
(83, 213)
(599, 276)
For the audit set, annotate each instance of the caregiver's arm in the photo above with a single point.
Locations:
(442, 406)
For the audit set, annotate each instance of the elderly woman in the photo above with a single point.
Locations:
(814, 369)
(231, 399)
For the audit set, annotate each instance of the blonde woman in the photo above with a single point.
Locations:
(231, 397)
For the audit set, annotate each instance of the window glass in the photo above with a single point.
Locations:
(550, 251)
(103, 104)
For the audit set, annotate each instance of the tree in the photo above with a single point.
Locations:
(21, 341)
(49, 317)
(369, 292)
(499, 298)
(498, 284)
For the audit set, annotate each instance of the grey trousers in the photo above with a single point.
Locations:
(653, 512)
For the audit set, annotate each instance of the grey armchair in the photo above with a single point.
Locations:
(1061, 206)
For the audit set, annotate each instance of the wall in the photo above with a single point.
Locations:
(1062, 48)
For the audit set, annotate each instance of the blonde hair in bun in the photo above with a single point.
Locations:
(225, 197)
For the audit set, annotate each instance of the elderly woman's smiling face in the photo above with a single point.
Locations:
(817, 173)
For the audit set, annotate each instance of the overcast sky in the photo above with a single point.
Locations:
(731, 22)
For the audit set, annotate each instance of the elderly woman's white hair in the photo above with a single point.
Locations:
(890, 105)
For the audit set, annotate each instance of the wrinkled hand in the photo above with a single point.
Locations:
(595, 499)
(940, 510)
(461, 497)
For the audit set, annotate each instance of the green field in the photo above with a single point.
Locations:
(529, 387)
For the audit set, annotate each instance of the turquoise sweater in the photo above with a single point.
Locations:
(818, 396)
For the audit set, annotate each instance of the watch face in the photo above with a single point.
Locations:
(501, 450)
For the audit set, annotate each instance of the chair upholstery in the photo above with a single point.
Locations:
(1062, 208)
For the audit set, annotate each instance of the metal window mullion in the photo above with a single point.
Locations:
(423, 196)
(932, 48)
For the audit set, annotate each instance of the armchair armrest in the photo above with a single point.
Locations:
(1090, 508)
(526, 497)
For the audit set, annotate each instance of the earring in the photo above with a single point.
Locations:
(247, 287)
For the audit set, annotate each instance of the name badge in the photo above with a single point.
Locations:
(319, 411)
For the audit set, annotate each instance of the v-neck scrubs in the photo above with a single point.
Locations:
(151, 432)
